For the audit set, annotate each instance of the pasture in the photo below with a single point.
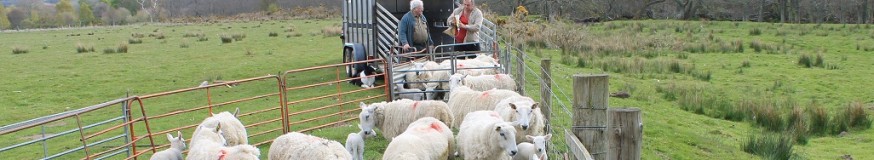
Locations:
(704, 87)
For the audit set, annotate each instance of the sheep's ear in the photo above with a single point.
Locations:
(513, 106)
(534, 106)
(218, 127)
(237, 112)
(529, 137)
(498, 128)
(547, 137)
(362, 105)
(170, 137)
(179, 135)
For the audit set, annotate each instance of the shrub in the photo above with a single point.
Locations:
(134, 40)
(19, 50)
(122, 48)
(226, 38)
(769, 146)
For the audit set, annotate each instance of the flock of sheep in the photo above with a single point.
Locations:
(493, 123)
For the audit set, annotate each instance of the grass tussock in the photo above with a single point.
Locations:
(238, 36)
(273, 34)
(745, 64)
(819, 119)
(19, 50)
(108, 50)
(755, 31)
(82, 48)
(122, 48)
(852, 117)
(134, 40)
(769, 146)
(332, 31)
(226, 38)
(137, 35)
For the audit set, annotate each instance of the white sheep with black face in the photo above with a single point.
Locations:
(177, 145)
(484, 135)
(525, 115)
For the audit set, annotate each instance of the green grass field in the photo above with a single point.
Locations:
(672, 69)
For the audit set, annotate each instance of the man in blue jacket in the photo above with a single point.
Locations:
(413, 29)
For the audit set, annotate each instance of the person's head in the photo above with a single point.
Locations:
(469, 5)
(417, 7)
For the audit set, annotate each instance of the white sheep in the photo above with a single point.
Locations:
(234, 131)
(525, 115)
(177, 145)
(463, 100)
(482, 61)
(416, 76)
(355, 144)
(392, 118)
(426, 138)
(484, 135)
(298, 146)
(534, 151)
(487, 82)
(204, 146)
(411, 96)
(210, 130)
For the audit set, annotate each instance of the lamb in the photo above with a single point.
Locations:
(392, 118)
(486, 82)
(484, 135)
(355, 144)
(210, 130)
(536, 150)
(203, 146)
(234, 131)
(426, 138)
(481, 61)
(463, 100)
(411, 96)
(296, 146)
(525, 114)
(177, 144)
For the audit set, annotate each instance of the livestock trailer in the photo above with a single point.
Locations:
(370, 32)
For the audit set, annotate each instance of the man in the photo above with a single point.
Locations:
(467, 19)
(413, 29)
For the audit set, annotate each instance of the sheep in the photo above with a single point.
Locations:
(355, 144)
(523, 111)
(234, 131)
(177, 144)
(415, 77)
(536, 150)
(486, 82)
(463, 100)
(393, 117)
(210, 130)
(481, 61)
(295, 146)
(484, 135)
(426, 138)
(204, 146)
(412, 96)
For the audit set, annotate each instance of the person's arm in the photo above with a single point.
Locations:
(402, 31)
(451, 18)
(475, 21)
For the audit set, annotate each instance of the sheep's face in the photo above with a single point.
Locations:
(507, 137)
(430, 87)
(176, 142)
(367, 118)
(488, 59)
(456, 80)
(418, 66)
(524, 110)
(540, 142)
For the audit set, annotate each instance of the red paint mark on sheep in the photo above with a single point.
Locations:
(416, 104)
(222, 154)
(498, 76)
(436, 126)
(484, 95)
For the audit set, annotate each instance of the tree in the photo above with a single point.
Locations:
(64, 6)
(86, 16)
(4, 21)
(16, 16)
(65, 14)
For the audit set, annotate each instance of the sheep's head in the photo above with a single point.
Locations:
(488, 59)
(176, 142)
(507, 137)
(524, 110)
(367, 118)
(430, 87)
(456, 80)
(540, 142)
(418, 66)
(212, 129)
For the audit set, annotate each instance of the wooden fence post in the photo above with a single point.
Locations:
(590, 112)
(520, 72)
(546, 93)
(624, 133)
